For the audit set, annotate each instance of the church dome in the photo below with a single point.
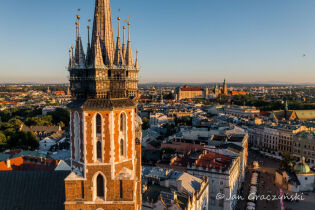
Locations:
(302, 167)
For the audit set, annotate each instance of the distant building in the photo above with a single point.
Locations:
(20, 160)
(158, 119)
(299, 178)
(42, 131)
(187, 92)
(169, 189)
(222, 170)
(286, 114)
(303, 144)
(60, 93)
(241, 111)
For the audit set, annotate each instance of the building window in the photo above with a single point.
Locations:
(100, 186)
(77, 140)
(98, 124)
(212, 201)
(99, 150)
(122, 147)
(82, 189)
(121, 189)
(123, 122)
(98, 137)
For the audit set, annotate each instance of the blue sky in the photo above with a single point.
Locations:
(178, 40)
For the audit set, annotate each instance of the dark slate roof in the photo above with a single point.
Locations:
(100, 104)
(231, 146)
(32, 190)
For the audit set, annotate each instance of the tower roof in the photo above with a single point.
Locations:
(129, 58)
(302, 167)
(79, 57)
(103, 27)
(97, 53)
(119, 59)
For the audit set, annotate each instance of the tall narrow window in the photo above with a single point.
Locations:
(121, 189)
(100, 186)
(82, 189)
(98, 124)
(122, 147)
(77, 140)
(99, 150)
(122, 122)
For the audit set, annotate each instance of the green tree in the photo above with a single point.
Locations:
(3, 139)
(60, 115)
(15, 122)
(39, 121)
(145, 123)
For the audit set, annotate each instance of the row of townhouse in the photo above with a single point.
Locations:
(284, 140)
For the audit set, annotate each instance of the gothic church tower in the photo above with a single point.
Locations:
(105, 127)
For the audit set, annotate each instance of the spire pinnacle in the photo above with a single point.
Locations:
(79, 52)
(124, 43)
(118, 60)
(97, 54)
(129, 58)
(70, 58)
(128, 31)
(89, 50)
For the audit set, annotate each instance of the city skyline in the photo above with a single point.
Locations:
(241, 41)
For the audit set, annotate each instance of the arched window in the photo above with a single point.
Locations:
(98, 124)
(99, 150)
(122, 122)
(100, 186)
(122, 147)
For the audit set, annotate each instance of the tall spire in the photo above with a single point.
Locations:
(89, 49)
(124, 43)
(119, 60)
(79, 57)
(103, 27)
(129, 58)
